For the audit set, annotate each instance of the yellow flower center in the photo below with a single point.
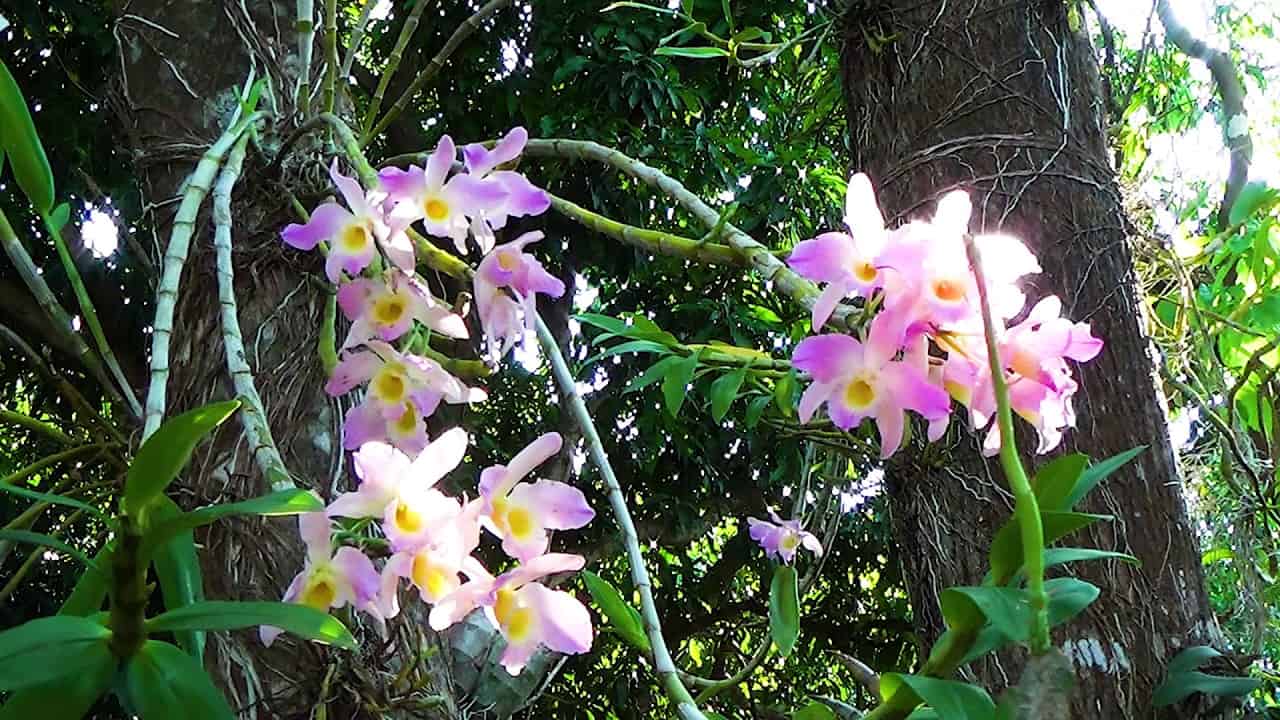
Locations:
(390, 385)
(435, 208)
(790, 541)
(408, 520)
(436, 580)
(408, 420)
(516, 620)
(859, 394)
(508, 261)
(948, 290)
(389, 309)
(520, 522)
(865, 271)
(354, 238)
(320, 595)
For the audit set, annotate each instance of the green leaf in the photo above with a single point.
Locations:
(166, 452)
(1062, 556)
(814, 711)
(19, 139)
(59, 217)
(624, 618)
(178, 570)
(1068, 597)
(1253, 196)
(655, 373)
(301, 620)
(1192, 658)
(784, 394)
(1098, 472)
(91, 589)
(755, 409)
(1007, 609)
(675, 383)
(700, 53)
(44, 650)
(294, 501)
(55, 500)
(1006, 547)
(68, 698)
(613, 325)
(34, 538)
(951, 700)
(1216, 555)
(696, 27)
(1054, 482)
(626, 347)
(1178, 686)
(724, 391)
(728, 15)
(164, 683)
(784, 609)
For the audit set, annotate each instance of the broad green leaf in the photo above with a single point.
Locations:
(814, 711)
(59, 217)
(1068, 597)
(755, 409)
(1006, 547)
(1007, 609)
(164, 683)
(178, 570)
(1054, 482)
(301, 620)
(1192, 658)
(294, 501)
(27, 537)
(21, 143)
(724, 391)
(655, 373)
(1252, 196)
(951, 700)
(1098, 472)
(624, 618)
(68, 698)
(700, 53)
(55, 500)
(784, 394)
(1178, 686)
(675, 383)
(43, 651)
(166, 452)
(784, 609)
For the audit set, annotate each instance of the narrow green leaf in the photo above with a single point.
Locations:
(784, 609)
(1054, 482)
(19, 139)
(55, 500)
(814, 711)
(724, 391)
(59, 217)
(27, 537)
(695, 27)
(67, 698)
(1178, 686)
(301, 620)
(655, 373)
(166, 452)
(951, 700)
(614, 325)
(728, 15)
(1006, 546)
(178, 570)
(1192, 658)
(755, 409)
(91, 589)
(624, 618)
(1098, 472)
(1068, 597)
(294, 501)
(164, 683)
(700, 53)
(636, 346)
(1062, 556)
(675, 383)
(43, 651)
(784, 394)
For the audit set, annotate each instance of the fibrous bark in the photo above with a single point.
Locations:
(1003, 100)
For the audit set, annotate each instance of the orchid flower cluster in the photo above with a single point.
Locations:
(431, 537)
(925, 347)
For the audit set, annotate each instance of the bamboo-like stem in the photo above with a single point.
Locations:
(35, 425)
(770, 268)
(326, 345)
(49, 461)
(663, 665)
(357, 37)
(175, 257)
(59, 318)
(330, 53)
(306, 27)
(468, 26)
(128, 591)
(1026, 507)
(393, 63)
(252, 412)
(91, 318)
(654, 241)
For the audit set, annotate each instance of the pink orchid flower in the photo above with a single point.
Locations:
(527, 613)
(386, 308)
(523, 514)
(522, 197)
(781, 538)
(402, 491)
(445, 205)
(857, 381)
(434, 566)
(352, 234)
(509, 267)
(847, 262)
(329, 579)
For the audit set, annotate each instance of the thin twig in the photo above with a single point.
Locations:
(252, 413)
(393, 63)
(35, 425)
(663, 665)
(357, 36)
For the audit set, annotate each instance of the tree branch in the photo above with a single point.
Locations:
(654, 241)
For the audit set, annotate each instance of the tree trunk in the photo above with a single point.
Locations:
(1004, 100)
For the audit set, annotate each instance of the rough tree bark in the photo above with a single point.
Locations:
(1004, 100)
